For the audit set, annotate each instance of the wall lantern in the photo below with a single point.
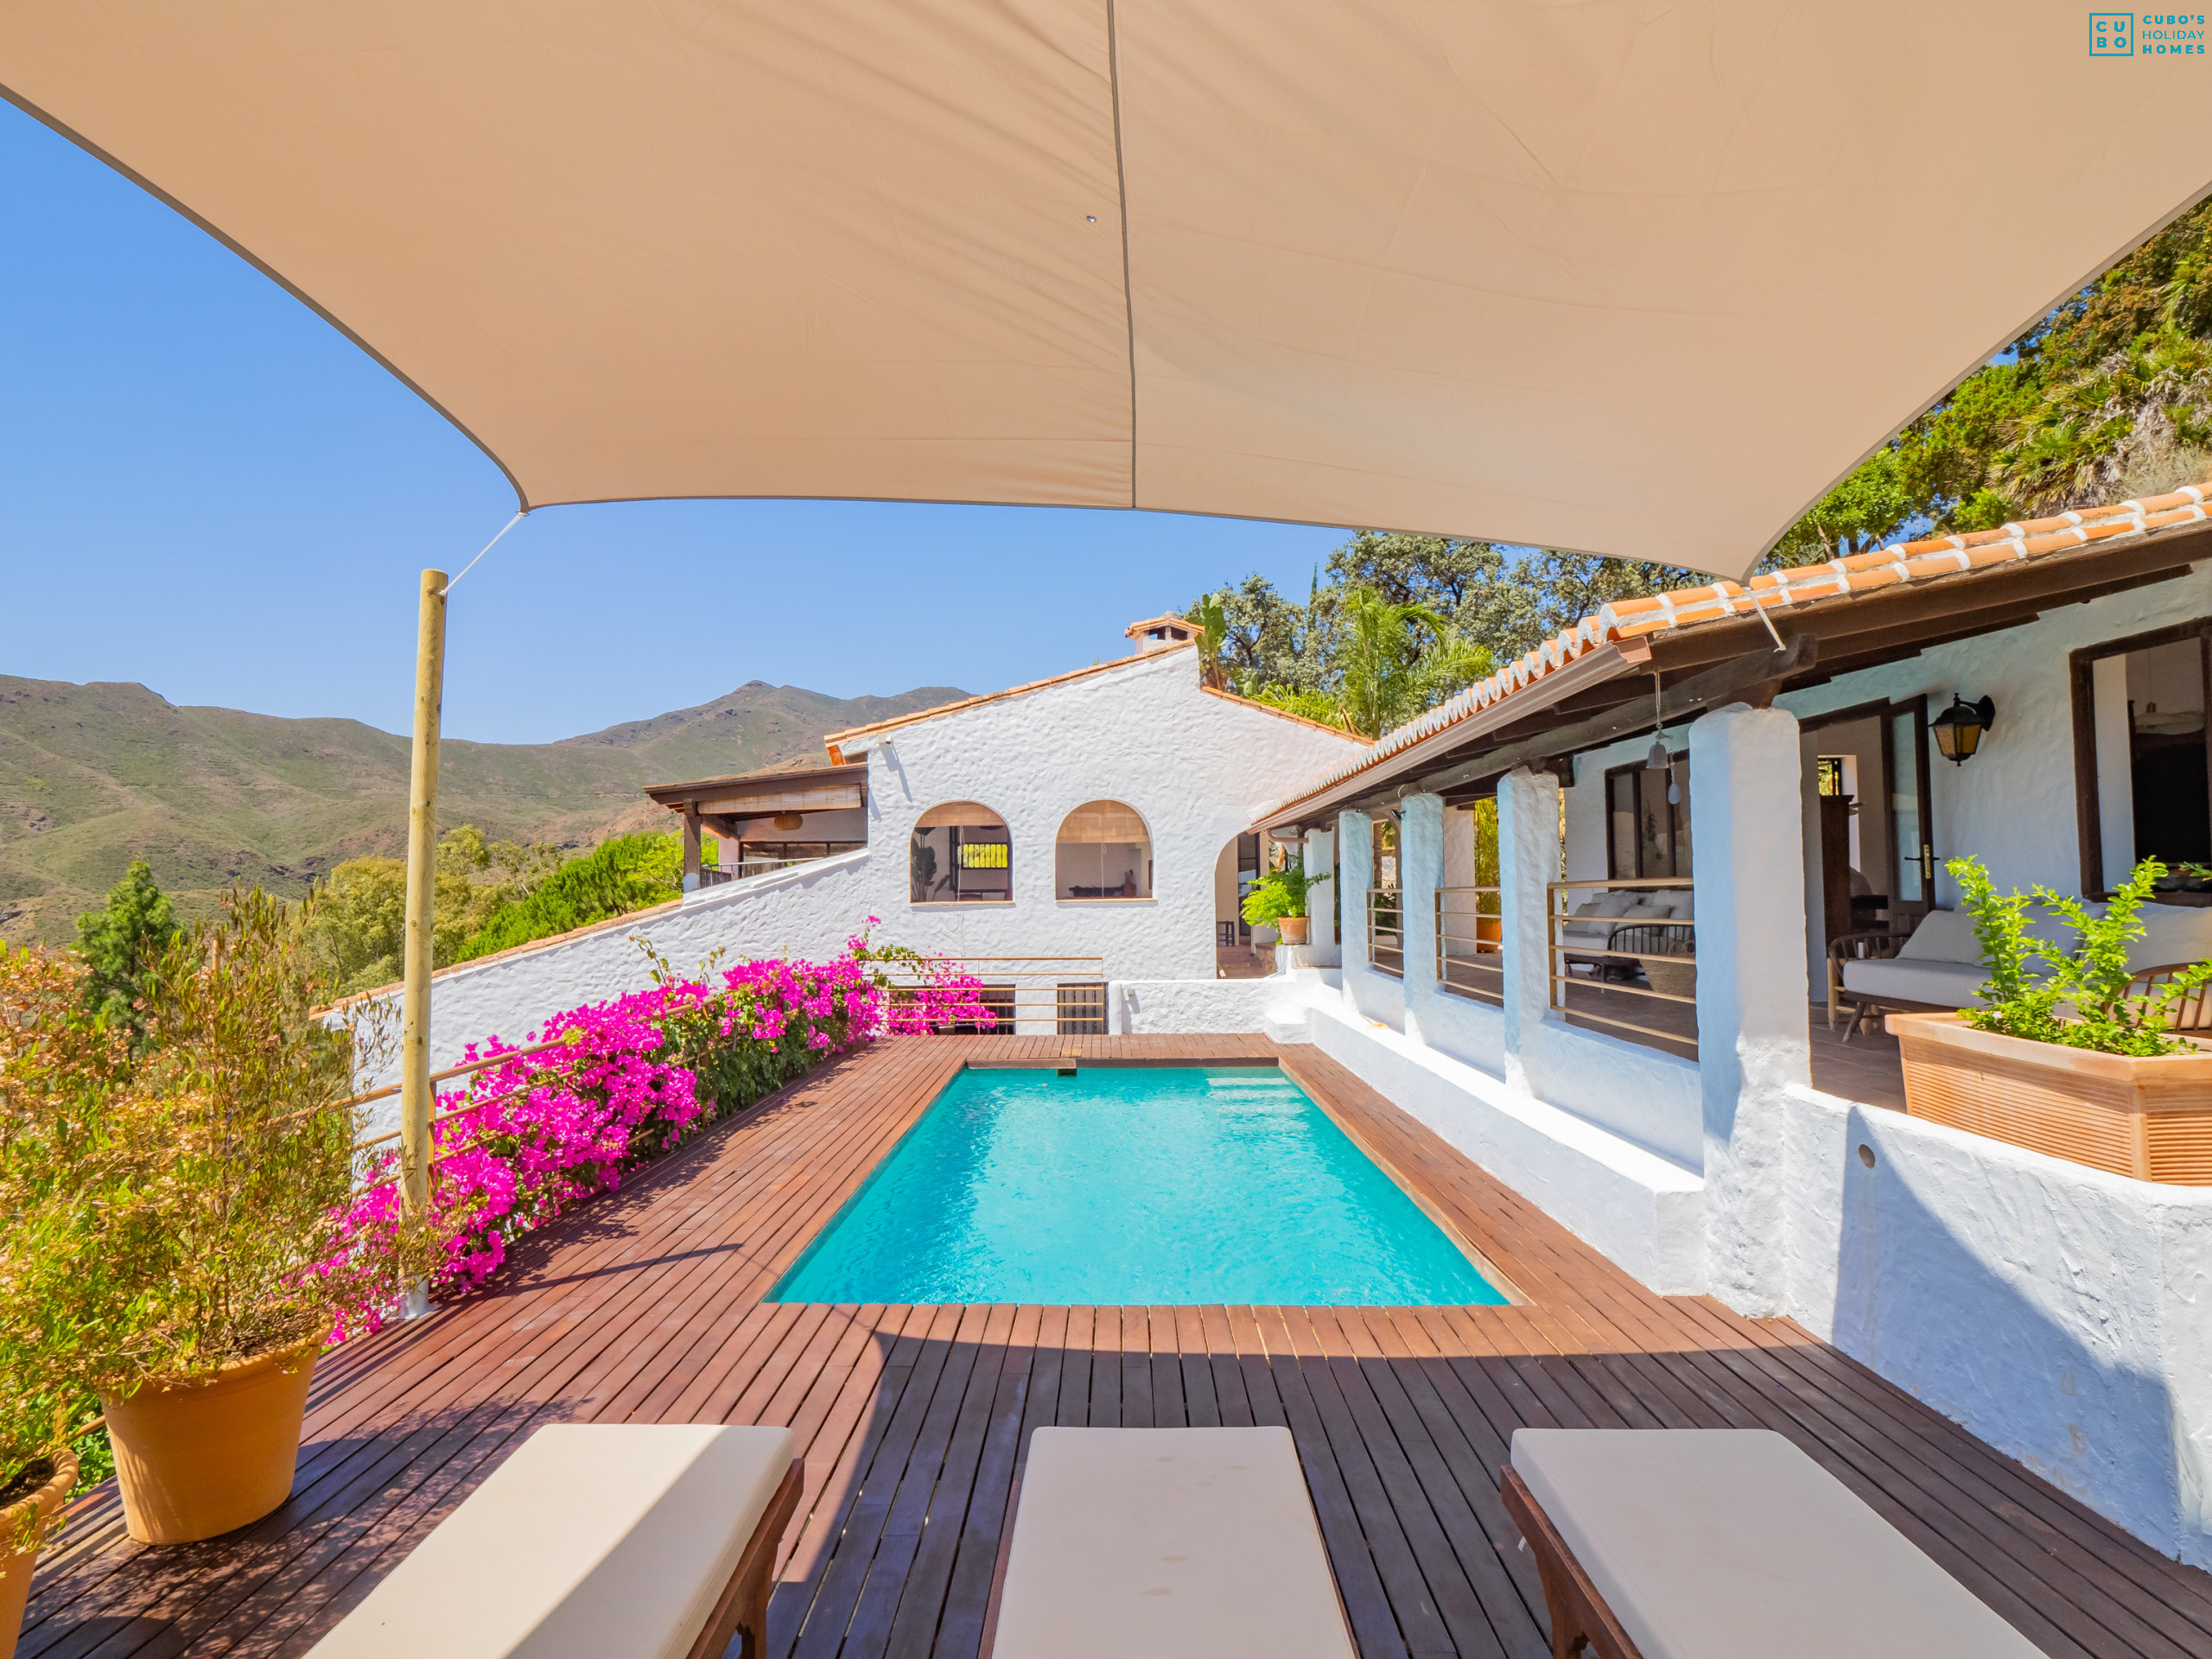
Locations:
(1958, 729)
(793, 820)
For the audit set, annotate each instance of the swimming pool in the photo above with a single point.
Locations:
(1137, 1184)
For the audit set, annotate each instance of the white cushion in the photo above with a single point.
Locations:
(1646, 913)
(1943, 936)
(1946, 984)
(1733, 1544)
(1173, 1543)
(592, 1542)
(2172, 933)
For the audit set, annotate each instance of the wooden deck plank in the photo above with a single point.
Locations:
(649, 1307)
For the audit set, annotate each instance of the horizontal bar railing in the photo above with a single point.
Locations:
(1386, 930)
(1470, 944)
(1663, 949)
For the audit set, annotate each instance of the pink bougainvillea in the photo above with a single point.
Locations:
(540, 1133)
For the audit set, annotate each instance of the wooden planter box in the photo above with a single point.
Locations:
(2148, 1118)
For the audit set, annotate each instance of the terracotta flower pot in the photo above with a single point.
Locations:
(15, 1564)
(1294, 929)
(208, 1456)
(2150, 1118)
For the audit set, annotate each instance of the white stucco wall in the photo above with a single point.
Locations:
(1197, 767)
(2062, 1314)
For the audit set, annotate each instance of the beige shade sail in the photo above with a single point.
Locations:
(1627, 276)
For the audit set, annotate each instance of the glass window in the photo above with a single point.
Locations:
(1904, 810)
(1104, 851)
(962, 853)
(1648, 836)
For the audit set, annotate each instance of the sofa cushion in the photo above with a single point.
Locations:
(1947, 984)
(1943, 936)
(2172, 934)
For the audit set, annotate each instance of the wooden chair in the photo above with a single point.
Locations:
(1870, 945)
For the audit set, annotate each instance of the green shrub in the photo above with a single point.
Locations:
(629, 873)
(1279, 894)
(2084, 1001)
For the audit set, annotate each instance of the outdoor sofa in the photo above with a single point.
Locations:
(1727, 1544)
(1172, 1543)
(1607, 933)
(1935, 968)
(630, 1540)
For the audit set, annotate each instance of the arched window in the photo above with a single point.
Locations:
(961, 854)
(1103, 852)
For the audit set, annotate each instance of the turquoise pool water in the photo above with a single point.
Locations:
(1129, 1185)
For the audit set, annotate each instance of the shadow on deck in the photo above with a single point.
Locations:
(647, 1307)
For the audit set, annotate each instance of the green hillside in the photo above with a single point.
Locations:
(94, 776)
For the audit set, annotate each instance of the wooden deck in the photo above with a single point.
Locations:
(646, 1308)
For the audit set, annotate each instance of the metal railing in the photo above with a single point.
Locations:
(1660, 953)
(1071, 990)
(714, 875)
(1470, 944)
(1386, 930)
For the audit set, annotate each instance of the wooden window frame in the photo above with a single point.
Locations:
(2089, 820)
(1675, 813)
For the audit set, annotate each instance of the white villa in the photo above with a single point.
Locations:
(1080, 842)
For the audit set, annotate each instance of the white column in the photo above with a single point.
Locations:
(1355, 869)
(1420, 872)
(1527, 861)
(1321, 902)
(1746, 827)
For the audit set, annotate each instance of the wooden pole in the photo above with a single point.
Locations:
(415, 1098)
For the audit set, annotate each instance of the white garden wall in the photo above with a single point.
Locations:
(2062, 1314)
(1197, 766)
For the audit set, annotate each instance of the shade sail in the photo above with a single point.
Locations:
(1626, 276)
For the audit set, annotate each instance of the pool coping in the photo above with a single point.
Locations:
(796, 1253)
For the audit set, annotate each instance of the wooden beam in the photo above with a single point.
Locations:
(1754, 674)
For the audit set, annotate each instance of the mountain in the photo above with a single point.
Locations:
(94, 776)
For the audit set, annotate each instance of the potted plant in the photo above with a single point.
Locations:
(2067, 1062)
(1278, 899)
(175, 1225)
(37, 1472)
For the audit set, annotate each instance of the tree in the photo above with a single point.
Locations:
(625, 873)
(360, 925)
(120, 943)
(2107, 397)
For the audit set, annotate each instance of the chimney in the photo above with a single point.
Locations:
(1158, 633)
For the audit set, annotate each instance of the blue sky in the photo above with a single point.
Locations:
(205, 489)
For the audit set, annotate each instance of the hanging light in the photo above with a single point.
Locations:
(1659, 760)
(1958, 729)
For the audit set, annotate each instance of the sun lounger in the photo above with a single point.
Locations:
(593, 1542)
(1727, 1544)
(1168, 1543)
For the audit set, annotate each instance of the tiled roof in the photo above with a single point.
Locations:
(1902, 563)
(835, 741)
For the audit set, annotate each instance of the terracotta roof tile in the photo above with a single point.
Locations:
(1902, 562)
